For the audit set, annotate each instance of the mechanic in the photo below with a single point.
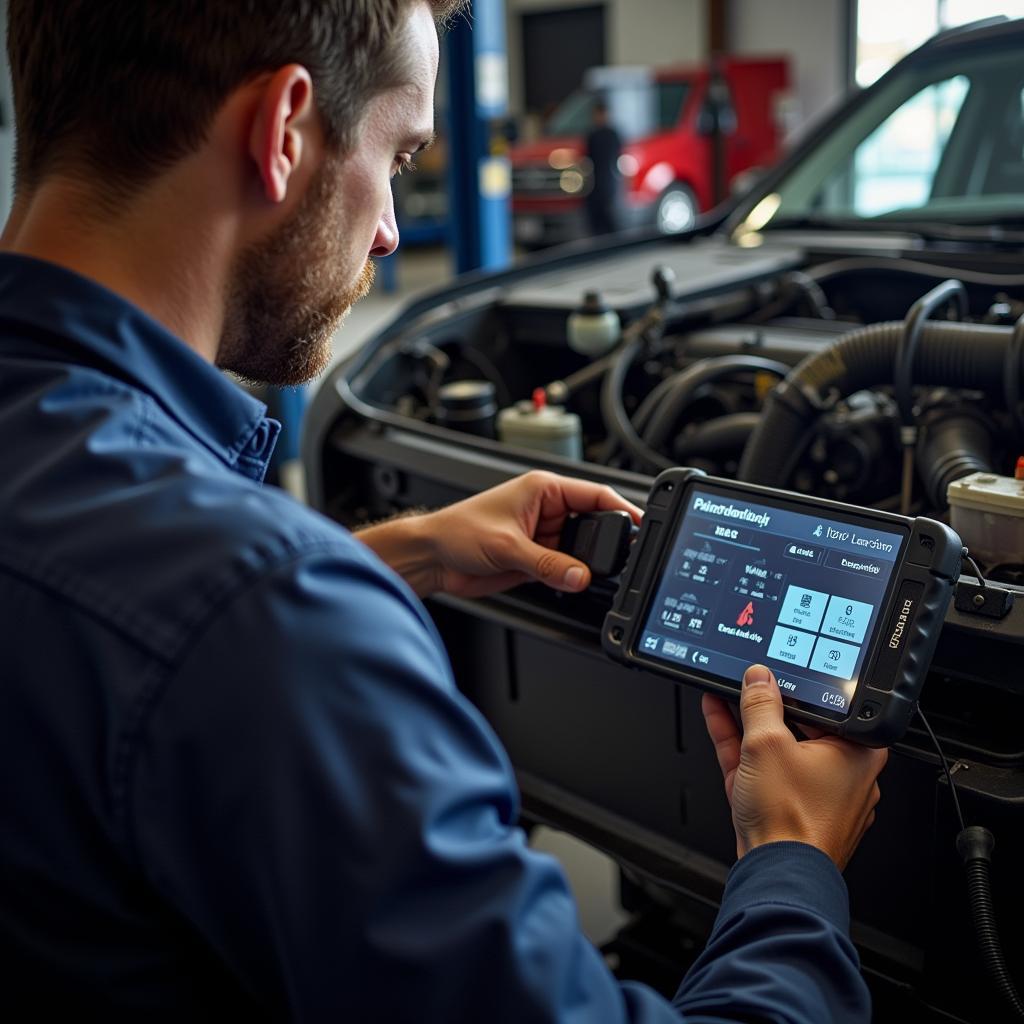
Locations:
(237, 778)
(603, 147)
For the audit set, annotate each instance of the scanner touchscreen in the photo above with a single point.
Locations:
(748, 581)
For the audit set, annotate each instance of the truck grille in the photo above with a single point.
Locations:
(536, 179)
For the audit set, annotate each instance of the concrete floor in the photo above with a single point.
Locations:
(591, 875)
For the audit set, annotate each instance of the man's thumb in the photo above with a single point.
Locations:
(760, 699)
(556, 569)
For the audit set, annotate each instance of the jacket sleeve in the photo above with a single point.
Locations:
(337, 822)
(780, 947)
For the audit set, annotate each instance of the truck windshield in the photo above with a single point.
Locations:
(636, 110)
(940, 142)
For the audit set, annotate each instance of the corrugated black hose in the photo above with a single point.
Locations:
(971, 356)
(975, 844)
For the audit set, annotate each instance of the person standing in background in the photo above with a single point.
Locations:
(603, 149)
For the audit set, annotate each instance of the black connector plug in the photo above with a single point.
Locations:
(982, 599)
(600, 540)
(975, 843)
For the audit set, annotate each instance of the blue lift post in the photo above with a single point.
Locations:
(479, 175)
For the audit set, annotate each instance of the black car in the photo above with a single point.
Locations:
(852, 328)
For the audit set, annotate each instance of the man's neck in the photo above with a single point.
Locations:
(162, 252)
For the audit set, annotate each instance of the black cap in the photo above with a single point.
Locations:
(593, 303)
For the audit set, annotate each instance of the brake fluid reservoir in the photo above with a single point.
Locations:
(547, 428)
(593, 329)
(988, 513)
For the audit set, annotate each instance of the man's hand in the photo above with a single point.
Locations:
(820, 791)
(495, 540)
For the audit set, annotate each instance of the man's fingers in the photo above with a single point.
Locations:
(723, 730)
(555, 568)
(584, 496)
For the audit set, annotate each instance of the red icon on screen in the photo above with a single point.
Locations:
(747, 615)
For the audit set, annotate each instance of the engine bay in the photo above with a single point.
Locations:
(877, 371)
(694, 385)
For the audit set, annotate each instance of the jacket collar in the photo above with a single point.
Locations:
(46, 307)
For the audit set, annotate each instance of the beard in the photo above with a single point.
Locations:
(291, 292)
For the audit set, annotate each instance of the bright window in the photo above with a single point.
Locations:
(887, 31)
(895, 166)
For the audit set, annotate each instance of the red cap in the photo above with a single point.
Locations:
(540, 399)
(1019, 471)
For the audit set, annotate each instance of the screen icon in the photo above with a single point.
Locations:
(817, 530)
(746, 617)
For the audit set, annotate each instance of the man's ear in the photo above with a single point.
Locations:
(284, 117)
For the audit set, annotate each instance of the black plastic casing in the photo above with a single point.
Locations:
(600, 539)
(900, 646)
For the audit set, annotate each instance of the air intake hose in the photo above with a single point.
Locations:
(951, 447)
(948, 355)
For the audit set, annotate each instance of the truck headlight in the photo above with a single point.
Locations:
(571, 180)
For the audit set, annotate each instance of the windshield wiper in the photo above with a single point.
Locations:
(816, 222)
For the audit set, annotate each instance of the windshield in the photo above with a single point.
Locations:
(636, 110)
(941, 142)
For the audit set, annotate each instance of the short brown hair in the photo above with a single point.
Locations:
(130, 87)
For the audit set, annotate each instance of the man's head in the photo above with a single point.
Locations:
(318, 102)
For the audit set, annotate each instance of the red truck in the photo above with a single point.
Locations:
(687, 133)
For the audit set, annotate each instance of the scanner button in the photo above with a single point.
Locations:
(846, 619)
(662, 497)
(868, 711)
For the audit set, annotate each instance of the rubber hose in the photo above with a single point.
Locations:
(587, 374)
(684, 384)
(796, 285)
(613, 412)
(906, 349)
(952, 448)
(950, 355)
(979, 896)
(1013, 375)
(718, 435)
(651, 401)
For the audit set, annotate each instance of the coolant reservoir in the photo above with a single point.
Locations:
(593, 329)
(548, 428)
(987, 511)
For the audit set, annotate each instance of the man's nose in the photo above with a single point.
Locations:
(385, 242)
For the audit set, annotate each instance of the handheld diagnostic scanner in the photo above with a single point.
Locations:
(844, 604)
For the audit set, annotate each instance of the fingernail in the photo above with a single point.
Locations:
(574, 578)
(757, 675)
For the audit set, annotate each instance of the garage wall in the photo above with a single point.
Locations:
(813, 33)
(666, 32)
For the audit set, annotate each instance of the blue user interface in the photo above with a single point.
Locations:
(752, 582)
